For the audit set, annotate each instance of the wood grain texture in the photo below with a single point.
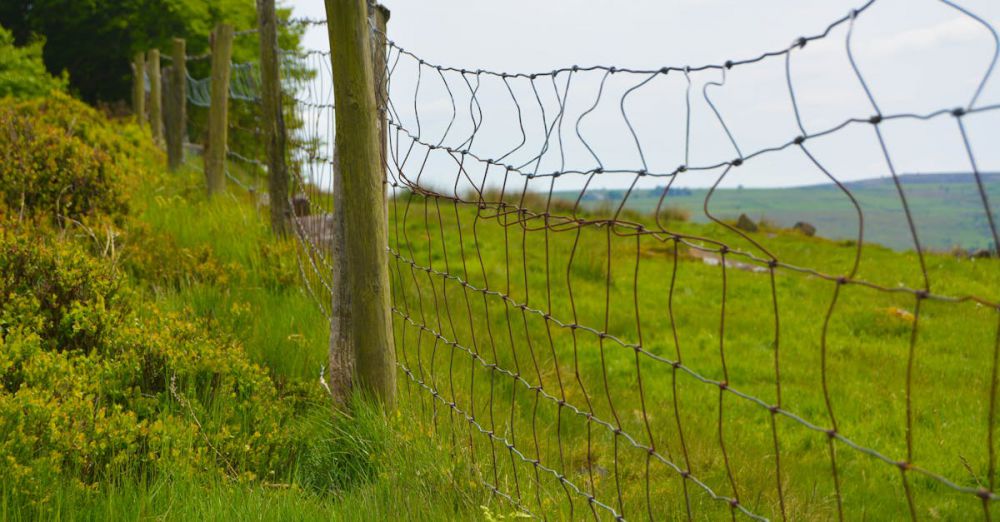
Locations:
(361, 324)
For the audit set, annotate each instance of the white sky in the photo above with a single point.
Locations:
(917, 56)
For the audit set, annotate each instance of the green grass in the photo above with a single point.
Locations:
(359, 467)
(867, 343)
(425, 462)
(278, 325)
(383, 469)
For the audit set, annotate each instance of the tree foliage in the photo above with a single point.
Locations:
(22, 73)
(94, 40)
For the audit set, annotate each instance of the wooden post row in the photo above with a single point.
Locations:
(155, 96)
(274, 119)
(139, 87)
(361, 325)
(218, 110)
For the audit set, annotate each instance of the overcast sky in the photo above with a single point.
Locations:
(916, 55)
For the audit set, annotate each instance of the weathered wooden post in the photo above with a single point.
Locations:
(139, 87)
(381, 18)
(218, 110)
(176, 124)
(274, 119)
(155, 96)
(361, 326)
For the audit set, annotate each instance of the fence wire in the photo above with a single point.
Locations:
(562, 347)
(312, 162)
(524, 314)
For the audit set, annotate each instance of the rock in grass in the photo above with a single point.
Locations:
(745, 223)
(805, 228)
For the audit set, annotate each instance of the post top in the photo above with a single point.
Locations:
(384, 10)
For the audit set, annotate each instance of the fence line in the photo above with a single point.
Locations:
(571, 375)
(422, 293)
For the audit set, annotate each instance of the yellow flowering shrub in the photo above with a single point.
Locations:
(60, 158)
(96, 384)
(91, 389)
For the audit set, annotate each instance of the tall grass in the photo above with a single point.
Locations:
(621, 282)
(358, 468)
(364, 465)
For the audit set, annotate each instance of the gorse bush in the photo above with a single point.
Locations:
(97, 383)
(58, 160)
(62, 297)
(92, 389)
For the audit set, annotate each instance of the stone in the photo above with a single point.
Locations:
(805, 228)
(745, 223)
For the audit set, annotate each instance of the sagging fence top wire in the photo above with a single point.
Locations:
(244, 85)
(564, 384)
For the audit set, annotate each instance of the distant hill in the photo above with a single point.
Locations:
(946, 207)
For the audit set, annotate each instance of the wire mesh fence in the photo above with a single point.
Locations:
(556, 332)
(594, 361)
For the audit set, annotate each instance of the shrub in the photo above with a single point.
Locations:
(57, 161)
(61, 296)
(22, 72)
(91, 389)
(145, 249)
(805, 228)
(125, 143)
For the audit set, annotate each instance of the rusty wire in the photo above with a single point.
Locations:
(495, 376)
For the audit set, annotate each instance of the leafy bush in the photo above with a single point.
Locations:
(123, 141)
(271, 264)
(62, 297)
(61, 158)
(91, 389)
(22, 72)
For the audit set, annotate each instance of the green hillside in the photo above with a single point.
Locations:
(947, 208)
(197, 352)
(163, 356)
(721, 324)
(158, 355)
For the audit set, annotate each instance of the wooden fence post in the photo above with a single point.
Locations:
(176, 123)
(218, 110)
(139, 87)
(274, 119)
(155, 96)
(362, 323)
(379, 43)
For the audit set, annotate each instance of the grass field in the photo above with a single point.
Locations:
(947, 208)
(372, 459)
(426, 462)
(612, 283)
(357, 467)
